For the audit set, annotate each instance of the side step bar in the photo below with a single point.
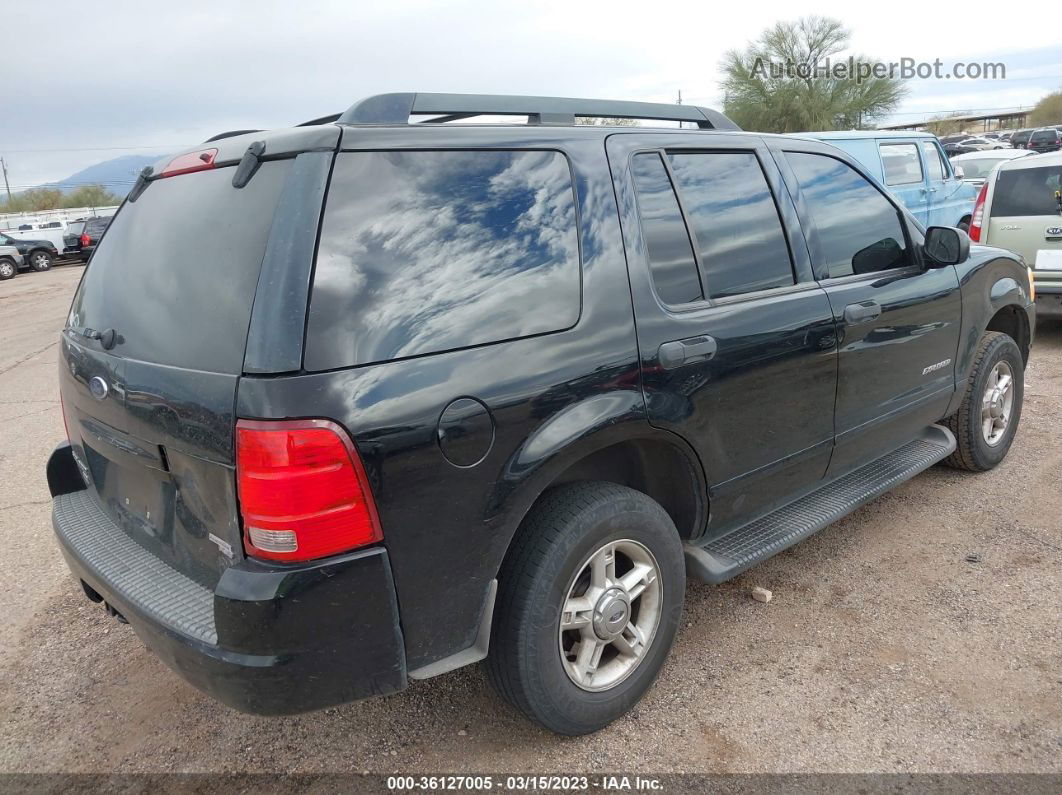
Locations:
(720, 559)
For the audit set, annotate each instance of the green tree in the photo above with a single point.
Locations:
(1047, 111)
(91, 196)
(779, 83)
(34, 199)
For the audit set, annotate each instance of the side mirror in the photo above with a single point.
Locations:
(945, 245)
(959, 173)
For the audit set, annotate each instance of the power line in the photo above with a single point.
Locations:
(105, 148)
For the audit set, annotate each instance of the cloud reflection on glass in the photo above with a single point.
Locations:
(428, 251)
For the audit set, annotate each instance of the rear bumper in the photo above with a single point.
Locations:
(1048, 302)
(268, 639)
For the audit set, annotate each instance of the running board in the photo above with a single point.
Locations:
(719, 559)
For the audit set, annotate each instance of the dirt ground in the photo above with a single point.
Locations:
(884, 648)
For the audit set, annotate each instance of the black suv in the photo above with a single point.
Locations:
(1046, 139)
(379, 399)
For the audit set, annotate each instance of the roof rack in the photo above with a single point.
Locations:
(398, 108)
(228, 134)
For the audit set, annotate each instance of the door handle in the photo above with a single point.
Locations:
(692, 349)
(862, 312)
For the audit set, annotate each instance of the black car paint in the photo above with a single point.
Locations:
(28, 247)
(554, 402)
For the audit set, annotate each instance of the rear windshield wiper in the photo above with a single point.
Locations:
(141, 183)
(106, 338)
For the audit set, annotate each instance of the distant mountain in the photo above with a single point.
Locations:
(117, 175)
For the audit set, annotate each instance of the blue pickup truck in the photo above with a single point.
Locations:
(914, 168)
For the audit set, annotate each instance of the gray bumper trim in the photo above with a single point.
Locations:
(131, 573)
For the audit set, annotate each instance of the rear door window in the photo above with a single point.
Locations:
(428, 251)
(1027, 191)
(671, 262)
(176, 273)
(735, 222)
(858, 230)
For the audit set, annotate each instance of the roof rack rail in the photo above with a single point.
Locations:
(329, 119)
(229, 134)
(398, 108)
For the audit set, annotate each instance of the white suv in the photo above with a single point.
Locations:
(1020, 208)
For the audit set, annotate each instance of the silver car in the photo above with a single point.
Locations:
(976, 166)
(10, 262)
(1020, 208)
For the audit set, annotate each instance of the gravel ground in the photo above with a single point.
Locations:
(884, 649)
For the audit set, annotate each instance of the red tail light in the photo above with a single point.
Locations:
(85, 240)
(978, 216)
(200, 160)
(303, 490)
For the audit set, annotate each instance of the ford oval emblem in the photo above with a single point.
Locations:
(98, 387)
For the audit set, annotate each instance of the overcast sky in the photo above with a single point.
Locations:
(83, 81)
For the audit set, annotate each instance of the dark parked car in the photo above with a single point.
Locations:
(39, 255)
(500, 392)
(1020, 139)
(1046, 139)
(91, 234)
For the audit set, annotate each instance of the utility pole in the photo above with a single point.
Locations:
(3, 165)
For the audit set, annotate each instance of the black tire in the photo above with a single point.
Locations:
(40, 260)
(974, 453)
(8, 269)
(525, 663)
(964, 225)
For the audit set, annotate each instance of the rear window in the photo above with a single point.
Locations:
(176, 273)
(1027, 191)
(96, 226)
(428, 251)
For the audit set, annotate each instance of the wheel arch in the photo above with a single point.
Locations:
(606, 438)
(1012, 320)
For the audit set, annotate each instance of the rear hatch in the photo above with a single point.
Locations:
(153, 351)
(1023, 215)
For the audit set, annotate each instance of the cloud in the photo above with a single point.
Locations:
(165, 74)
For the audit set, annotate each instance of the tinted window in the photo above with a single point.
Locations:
(96, 226)
(1027, 191)
(735, 221)
(674, 270)
(858, 229)
(176, 273)
(428, 251)
(934, 160)
(900, 164)
(1044, 136)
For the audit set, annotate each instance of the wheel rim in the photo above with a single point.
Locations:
(40, 261)
(610, 615)
(997, 404)
(7, 269)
